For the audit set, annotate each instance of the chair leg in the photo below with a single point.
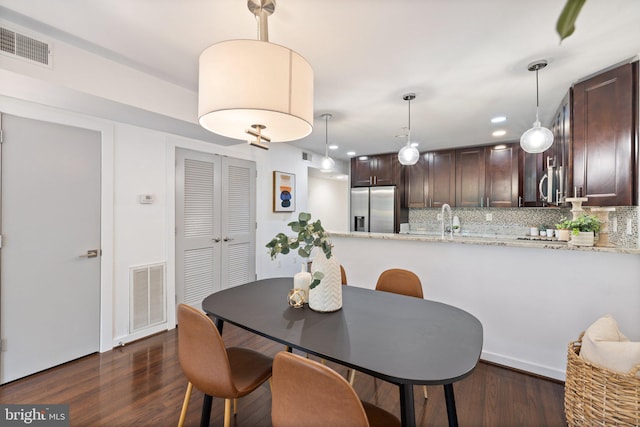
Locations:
(426, 396)
(352, 376)
(235, 406)
(207, 401)
(185, 405)
(227, 412)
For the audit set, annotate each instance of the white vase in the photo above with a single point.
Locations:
(327, 295)
(584, 238)
(302, 281)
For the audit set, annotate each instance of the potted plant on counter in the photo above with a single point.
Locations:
(583, 230)
(563, 229)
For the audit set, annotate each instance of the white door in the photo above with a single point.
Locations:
(215, 224)
(238, 222)
(50, 219)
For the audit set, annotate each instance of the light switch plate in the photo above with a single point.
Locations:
(489, 217)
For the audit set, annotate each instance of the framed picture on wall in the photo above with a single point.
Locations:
(284, 192)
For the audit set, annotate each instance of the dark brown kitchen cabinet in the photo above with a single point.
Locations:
(604, 136)
(430, 183)
(470, 175)
(442, 178)
(415, 177)
(487, 176)
(381, 169)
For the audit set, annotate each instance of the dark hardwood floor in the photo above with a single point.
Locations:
(142, 384)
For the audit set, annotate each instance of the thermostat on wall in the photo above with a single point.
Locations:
(145, 199)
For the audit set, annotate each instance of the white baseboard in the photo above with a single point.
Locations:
(524, 365)
(125, 339)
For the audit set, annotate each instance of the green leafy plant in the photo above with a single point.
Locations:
(566, 24)
(563, 224)
(310, 235)
(584, 223)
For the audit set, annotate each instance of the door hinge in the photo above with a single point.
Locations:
(3, 345)
(1, 241)
(1, 136)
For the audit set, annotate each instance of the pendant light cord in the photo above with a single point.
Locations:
(537, 97)
(326, 136)
(409, 123)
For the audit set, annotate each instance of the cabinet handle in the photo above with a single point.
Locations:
(519, 201)
(481, 202)
(488, 204)
(370, 180)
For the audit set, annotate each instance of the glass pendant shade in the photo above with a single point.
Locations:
(408, 155)
(327, 163)
(244, 83)
(537, 139)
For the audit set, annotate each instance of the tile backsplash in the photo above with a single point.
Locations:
(516, 222)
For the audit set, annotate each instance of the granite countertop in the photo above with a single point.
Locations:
(523, 242)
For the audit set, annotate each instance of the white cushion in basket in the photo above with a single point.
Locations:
(604, 345)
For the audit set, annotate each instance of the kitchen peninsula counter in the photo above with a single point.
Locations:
(533, 298)
(488, 241)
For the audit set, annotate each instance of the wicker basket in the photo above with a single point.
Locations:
(595, 396)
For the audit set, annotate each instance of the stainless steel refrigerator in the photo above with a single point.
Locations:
(372, 209)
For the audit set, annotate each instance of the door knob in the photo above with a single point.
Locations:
(91, 253)
(216, 239)
(228, 239)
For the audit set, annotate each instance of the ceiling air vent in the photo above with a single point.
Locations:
(306, 156)
(19, 45)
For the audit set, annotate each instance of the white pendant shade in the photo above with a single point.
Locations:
(408, 155)
(243, 83)
(537, 139)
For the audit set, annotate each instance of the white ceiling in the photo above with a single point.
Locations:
(465, 59)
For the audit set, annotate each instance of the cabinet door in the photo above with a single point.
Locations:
(501, 178)
(416, 183)
(470, 172)
(442, 178)
(384, 169)
(604, 131)
(361, 175)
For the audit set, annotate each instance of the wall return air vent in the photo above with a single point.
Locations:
(24, 47)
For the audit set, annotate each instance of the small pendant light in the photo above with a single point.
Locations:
(327, 162)
(537, 139)
(408, 155)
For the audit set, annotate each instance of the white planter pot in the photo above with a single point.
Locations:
(327, 296)
(584, 238)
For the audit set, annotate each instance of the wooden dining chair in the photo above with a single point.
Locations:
(399, 281)
(227, 373)
(307, 393)
(343, 275)
(402, 282)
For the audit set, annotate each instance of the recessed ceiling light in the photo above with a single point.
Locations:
(333, 147)
(500, 132)
(498, 119)
(351, 153)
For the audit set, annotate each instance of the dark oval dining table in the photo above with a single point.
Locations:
(403, 340)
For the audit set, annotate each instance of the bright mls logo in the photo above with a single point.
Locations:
(34, 415)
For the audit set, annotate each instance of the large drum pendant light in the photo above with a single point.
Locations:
(537, 139)
(253, 89)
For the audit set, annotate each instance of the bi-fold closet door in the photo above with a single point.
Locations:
(215, 224)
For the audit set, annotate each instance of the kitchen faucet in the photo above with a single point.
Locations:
(450, 230)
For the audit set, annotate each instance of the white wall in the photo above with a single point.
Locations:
(531, 301)
(329, 202)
